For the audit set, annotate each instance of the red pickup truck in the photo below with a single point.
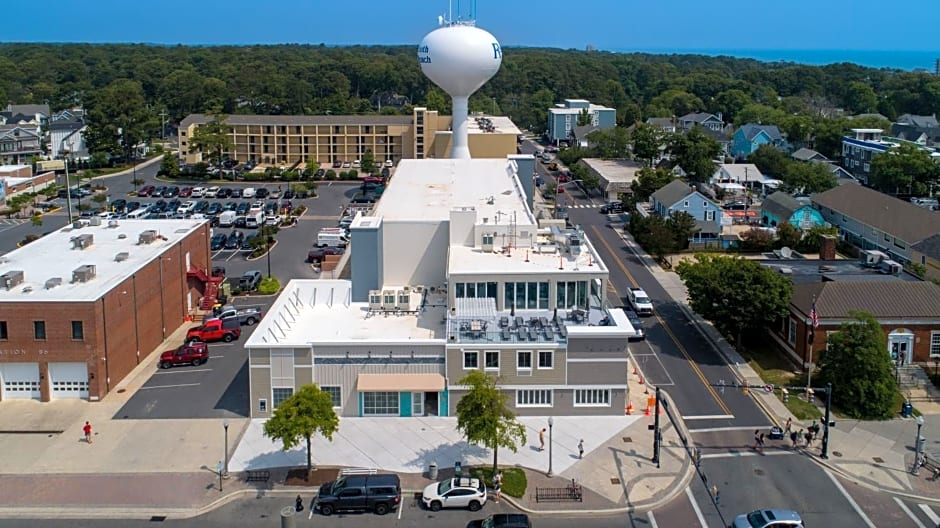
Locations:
(215, 330)
(194, 353)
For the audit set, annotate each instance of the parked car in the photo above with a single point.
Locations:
(186, 192)
(159, 192)
(201, 207)
(736, 205)
(119, 206)
(261, 192)
(289, 194)
(245, 315)
(198, 192)
(379, 493)
(211, 192)
(463, 492)
(214, 209)
(215, 330)
(347, 164)
(769, 519)
(248, 192)
(218, 241)
(172, 192)
(635, 322)
(234, 240)
(337, 164)
(250, 280)
(224, 192)
(237, 192)
(132, 206)
(193, 353)
(317, 255)
(502, 520)
(612, 207)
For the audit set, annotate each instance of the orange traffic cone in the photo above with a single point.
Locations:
(647, 413)
(634, 370)
(646, 390)
(630, 408)
(641, 380)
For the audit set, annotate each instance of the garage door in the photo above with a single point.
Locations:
(68, 380)
(20, 381)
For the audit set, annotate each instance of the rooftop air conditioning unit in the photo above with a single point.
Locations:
(95, 221)
(82, 241)
(53, 282)
(11, 279)
(390, 299)
(890, 267)
(83, 273)
(375, 300)
(112, 223)
(872, 258)
(122, 256)
(147, 237)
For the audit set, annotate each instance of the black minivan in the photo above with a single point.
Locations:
(378, 493)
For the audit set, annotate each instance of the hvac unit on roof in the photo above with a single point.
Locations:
(147, 237)
(122, 256)
(82, 241)
(53, 282)
(83, 273)
(11, 279)
(94, 221)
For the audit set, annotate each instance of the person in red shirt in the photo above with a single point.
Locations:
(87, 430)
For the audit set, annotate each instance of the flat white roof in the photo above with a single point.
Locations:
(53, 256)
(311, 311)
(543, 259)
(564, 110)
(614, 170)
(12, 168)
(503, 125)
(428, 189)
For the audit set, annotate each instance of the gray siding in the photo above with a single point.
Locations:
(366, 261)
(259, 356)
(508, 373)
(260, 390)
(598, 373)
(346, 376)
(597, 345)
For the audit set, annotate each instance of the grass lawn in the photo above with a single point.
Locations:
(514, 481)
(771, 365)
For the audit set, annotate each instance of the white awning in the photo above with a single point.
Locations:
(400, 383)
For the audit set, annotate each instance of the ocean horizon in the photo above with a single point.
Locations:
(902, 60)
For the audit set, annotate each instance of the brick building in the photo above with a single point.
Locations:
(84, 305)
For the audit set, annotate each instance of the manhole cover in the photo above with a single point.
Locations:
(615, 480)
(759, 472)
(627, 439)
(877, 460)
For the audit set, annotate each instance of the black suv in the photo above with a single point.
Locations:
(378, 493)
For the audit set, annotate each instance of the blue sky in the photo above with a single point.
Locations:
(606, 24)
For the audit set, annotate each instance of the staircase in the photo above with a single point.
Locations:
(210, 287)
(916, 385)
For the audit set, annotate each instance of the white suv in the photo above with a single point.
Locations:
(641, 301)
(463, 492)
(198, 192)
(211, 192)
(248, 192)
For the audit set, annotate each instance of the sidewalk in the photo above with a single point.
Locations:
(879, 455)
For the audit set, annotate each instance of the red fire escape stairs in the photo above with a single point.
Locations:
(210, 287)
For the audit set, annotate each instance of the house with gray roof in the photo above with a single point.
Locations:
(18, 144)
(908, 311)
(666, 124)
(780, 208)
(916, 128)
(873, 220)
(750, 137)
(927, 254)
(702, 119)
(805, 154)
(679, 197)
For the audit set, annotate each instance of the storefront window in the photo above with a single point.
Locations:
(380, 403)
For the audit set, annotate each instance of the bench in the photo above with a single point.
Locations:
(258, 476)
(571, 494)
(932, 465)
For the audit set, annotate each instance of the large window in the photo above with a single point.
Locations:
(791, 337)
(336, 394)
(380, 403)
(534, 398)
(471, 360)
(592, 398)
(571, 295)
(546, 359)
(472, 290)
(491, 360)
(934, 344)
(280, 394)
(526, 295)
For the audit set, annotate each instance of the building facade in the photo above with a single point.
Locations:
(74, 326)
(678, 197)
(284, 140)
(563, 118)
(859, 149)
(748, 138)
(780, 208)
(18, 144)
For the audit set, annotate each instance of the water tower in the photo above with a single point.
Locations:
(459, 57)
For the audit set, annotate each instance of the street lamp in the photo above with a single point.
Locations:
(916, 469)
(225, 425)
(551, 423)
(270, 240)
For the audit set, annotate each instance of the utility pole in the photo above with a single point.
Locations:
(657, 435)
(825, 439)
(163, 115)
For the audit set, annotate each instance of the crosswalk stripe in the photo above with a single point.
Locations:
(909, 513)
(934, 518)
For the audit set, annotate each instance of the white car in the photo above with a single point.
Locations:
(256, 207)
(186, 207)
(272, 220)
(248, 192)
(388, 163)
(198, 192)
(463, 492)
(211, 192)
(640, 301)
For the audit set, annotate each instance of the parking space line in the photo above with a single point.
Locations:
(216, 357)
(649, 515)
(178, 385)
(849, 498)
(709, 417)
(909, 513)
(181, 371)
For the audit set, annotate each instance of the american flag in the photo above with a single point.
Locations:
(814, 317)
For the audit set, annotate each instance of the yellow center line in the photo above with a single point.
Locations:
(685, 353)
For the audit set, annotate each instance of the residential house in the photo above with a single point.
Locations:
(579, 135)
(679, 197)
(702, 119)
(563, 117)
(749, 137)
(927, 254)
(873, 220)
(67, 138)
(27, 115)
(811, 156)
(734, 178)
(917, 128)
(666, 124)
(18, 145)
(908, 311)
(724, 139)
(805, 154)
(780, 208)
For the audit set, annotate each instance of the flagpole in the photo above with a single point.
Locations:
(814, 322)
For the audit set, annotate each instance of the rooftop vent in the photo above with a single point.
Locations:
(122, 236)
(122, 256)
(147, 237)
(77, 224)
(83, 273)
(94, 221)
(11, 279)
(53, 282)
(112, 223)
(82, 241)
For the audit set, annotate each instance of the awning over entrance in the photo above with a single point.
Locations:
(400, 383)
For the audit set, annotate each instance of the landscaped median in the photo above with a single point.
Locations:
(514, 479)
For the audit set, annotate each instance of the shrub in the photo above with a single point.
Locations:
(270, 285)
(353, 174)
(290, 176)
(514, 479)
(330, 175)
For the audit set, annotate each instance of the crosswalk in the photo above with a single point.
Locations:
(12, 221)
(584, 206)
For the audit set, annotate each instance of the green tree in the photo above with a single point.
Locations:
(484, 418)
(311, 167)
(36, 219)
(730, 102)
(368, 162)
(653, 234)
(788, 236)
(588, 179)
(695, 152)
(737, 295)
(674, 102)
(212, 139)
(906, 168)
(812, 238)
(437, 100)
(647, 142)
(117, 118)
(860, 98)
(682, 226)
(857, 363)
(307, 412)
(584, 117)
(169, 166)
(770, 161)
(808, 177)
(649, 181)
(611, 143)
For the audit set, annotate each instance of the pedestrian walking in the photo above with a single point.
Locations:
(498, 485)
(581, 449)
(756, 440)
(788, 426)
(87, 430)
(808, 436)
(542, 440)
(794, 437)
(760, 439)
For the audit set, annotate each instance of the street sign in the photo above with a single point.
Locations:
(768, 388)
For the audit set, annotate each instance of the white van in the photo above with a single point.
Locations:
(227, 218)
(254, 220)
(139, 213)
(332, 238)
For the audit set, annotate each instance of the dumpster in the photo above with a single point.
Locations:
(432, 471)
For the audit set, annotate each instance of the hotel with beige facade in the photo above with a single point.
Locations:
(285, 140)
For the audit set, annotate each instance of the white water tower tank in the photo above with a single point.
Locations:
(460, 58)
